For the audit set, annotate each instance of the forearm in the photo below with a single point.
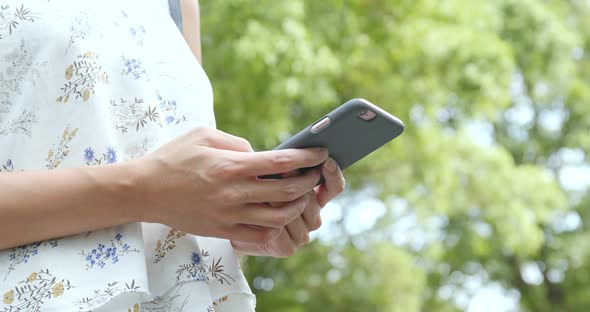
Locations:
(191, 26)
(39, 205)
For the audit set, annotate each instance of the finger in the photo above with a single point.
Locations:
(311, 214)
(251, 234)
(298, 232)
(280, 247)
(282, 190)
(333, 185)
(281, 161)
(218, 139)
(274, 217)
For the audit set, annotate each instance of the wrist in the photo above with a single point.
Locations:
(130, 189)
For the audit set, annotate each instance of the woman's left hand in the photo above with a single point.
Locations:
(296, 233)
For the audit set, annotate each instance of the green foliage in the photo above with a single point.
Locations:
(441, 66)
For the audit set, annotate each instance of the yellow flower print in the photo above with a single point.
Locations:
(135, 308)
(169, 244)
(32, 277)
(57, 290)
(9, 297)
(85, 95)
(82, 77)
(69, 72)
(56, 154)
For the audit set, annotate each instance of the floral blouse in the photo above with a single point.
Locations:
(87, 83)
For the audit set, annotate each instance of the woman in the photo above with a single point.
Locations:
(111, 166)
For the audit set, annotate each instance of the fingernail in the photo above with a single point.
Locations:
(330, 165)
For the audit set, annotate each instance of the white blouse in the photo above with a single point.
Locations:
(86, 83)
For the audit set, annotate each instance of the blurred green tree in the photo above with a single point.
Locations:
(496, 99)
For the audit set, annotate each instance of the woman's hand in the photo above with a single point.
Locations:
(205, 183)
(296, 233)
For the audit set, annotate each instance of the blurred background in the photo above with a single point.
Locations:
(481, 205)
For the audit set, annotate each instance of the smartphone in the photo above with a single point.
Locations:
(350, 132)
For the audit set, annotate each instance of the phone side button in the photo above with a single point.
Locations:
(320, 125)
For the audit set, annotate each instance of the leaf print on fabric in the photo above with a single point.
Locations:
(108, 157)
(217, 272)
(169, 244)
(8, 166)
(20, 72)
(133, 68)
(127, 114)
(38, 287)
(168, 303)
(102, 296)
(82, 76)
(22, 124)
(168, 108)
(10, 18)
(101, 255)
(22, 254)
(56, 155)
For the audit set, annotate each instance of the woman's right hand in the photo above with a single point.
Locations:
(205, 183)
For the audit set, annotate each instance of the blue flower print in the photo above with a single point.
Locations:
(137, 33)
(169, 108)
(111, 155)
(196, 258)
(80, 28)
(22, 254)
(102, 255)
(89, 154)
(134, 68)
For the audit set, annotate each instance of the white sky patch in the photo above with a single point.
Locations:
(493, 298)
(481, 132)
(575, 178)
(531, 273)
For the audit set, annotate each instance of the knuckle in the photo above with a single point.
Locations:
(246, 143)
(204, 133)
(291, 191)
(280, 219)
(266, 236)
(230, 195)
(282, 161)
(223, 169)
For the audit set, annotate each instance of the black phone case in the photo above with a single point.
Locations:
(349, 138)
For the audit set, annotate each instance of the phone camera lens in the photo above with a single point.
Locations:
(367, 114)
